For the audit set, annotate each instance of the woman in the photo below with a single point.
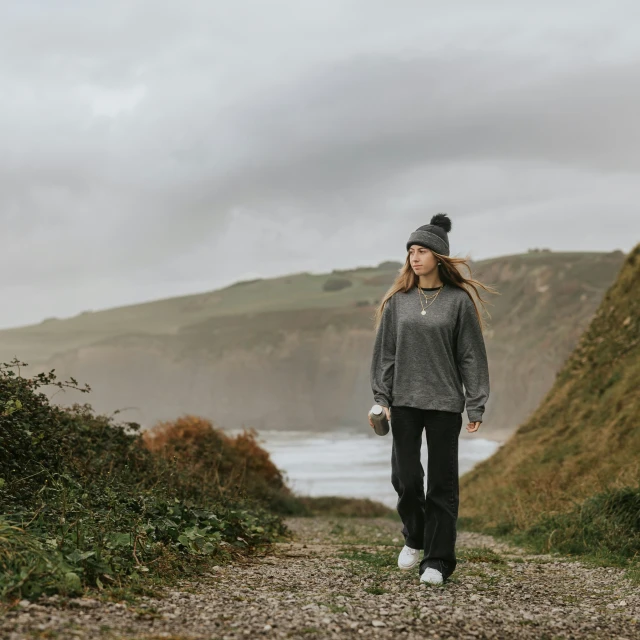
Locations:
(428, 345)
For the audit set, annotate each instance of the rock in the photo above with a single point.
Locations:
(87, 603)
(273, 596)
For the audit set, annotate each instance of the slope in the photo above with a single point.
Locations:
(584, 438)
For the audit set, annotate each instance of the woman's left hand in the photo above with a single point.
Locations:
(473, 426)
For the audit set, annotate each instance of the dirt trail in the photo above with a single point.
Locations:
(338, 579)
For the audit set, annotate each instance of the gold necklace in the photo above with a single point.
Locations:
(427, 298)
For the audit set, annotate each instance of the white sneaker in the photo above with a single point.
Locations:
(432, 576)
(408, 557)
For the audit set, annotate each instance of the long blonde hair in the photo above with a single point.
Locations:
(449, 274)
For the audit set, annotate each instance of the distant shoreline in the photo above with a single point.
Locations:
(499, 436)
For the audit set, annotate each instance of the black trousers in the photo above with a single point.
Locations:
(429, 521)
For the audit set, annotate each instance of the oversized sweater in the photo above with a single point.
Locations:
(423, 361)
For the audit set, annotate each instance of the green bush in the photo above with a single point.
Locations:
(336, 284)
(605, 525)
(87, 504)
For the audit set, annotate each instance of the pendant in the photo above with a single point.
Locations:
(423, 312)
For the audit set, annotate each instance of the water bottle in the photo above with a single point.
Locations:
(379, 419)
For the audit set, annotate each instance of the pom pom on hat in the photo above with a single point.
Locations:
(442, 220)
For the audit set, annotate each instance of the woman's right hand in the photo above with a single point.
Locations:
(387, 413)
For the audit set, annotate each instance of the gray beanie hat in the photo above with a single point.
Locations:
(434, 235)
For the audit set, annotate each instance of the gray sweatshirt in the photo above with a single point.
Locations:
(423, 360)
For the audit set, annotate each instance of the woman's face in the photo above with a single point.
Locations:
(422, 260)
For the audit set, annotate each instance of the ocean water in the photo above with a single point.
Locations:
(358, 465)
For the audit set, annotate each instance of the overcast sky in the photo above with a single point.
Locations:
(155, 149)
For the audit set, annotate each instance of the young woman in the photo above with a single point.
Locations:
(429, 344)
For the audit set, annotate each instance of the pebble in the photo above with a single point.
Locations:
(314, 582)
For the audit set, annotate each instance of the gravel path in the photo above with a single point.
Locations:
(338, 578)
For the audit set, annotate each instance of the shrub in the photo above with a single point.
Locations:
(336, 284)
(605, 524)
(86, 503)
(212, 463)
(345, 507)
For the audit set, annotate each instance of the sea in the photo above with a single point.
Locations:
(351, 464)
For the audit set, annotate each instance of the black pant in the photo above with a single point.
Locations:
(429, 522)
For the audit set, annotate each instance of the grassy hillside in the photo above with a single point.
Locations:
(574, 465)
(574, 274)
(299, 291)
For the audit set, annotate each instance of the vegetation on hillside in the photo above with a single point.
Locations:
(212, 464)
(90, 503)
(569, 478)
(339, 506)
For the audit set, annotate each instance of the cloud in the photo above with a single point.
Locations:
(148, 141)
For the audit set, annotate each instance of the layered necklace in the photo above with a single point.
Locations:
(428, 299)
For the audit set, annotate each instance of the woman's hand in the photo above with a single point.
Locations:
(473, 426)
(387, 413)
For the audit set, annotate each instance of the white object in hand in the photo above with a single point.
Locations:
(379, 419)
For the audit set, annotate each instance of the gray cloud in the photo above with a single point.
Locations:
(153, 150)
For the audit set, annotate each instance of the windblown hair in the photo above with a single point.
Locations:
(450, 276)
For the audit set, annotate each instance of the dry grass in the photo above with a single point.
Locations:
(584, 438)
(220, 464)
